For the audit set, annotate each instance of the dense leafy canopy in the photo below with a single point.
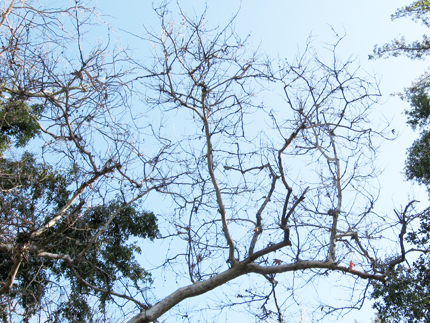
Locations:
(18, 123)
(402, 299)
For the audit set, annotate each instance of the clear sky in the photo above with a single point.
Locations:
(281, 27)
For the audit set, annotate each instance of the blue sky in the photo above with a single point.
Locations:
(280, 28)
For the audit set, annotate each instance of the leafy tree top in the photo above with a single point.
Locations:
(418, 11)
(18, 123)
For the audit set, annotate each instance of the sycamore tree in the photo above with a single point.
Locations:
(260, 171)
(405, 296)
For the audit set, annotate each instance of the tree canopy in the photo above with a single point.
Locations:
(405, 295)
(249, 174)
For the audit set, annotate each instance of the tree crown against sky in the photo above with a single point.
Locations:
(404, 297)
(281, 193)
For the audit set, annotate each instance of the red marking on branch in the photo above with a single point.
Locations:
(351, 265)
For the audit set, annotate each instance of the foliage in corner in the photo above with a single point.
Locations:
(32, 193)
(405, 296)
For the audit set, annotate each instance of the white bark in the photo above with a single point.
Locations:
(242, 268)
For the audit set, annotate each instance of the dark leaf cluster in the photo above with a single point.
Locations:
(18, 123)
(418, 158)
(32, 193)
(406, 295)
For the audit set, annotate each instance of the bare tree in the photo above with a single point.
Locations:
(265, 190)
(266, 166)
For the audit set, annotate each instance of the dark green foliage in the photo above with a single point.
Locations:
(110, 259)
(75, 310)
(30, 287)
(18, 123)
(418, 160)
(419, 115)
(33, 189)
(112, 256)
(406, 295)
(421, 236)
(32, 194)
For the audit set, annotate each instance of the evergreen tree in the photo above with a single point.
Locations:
(405, 297)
